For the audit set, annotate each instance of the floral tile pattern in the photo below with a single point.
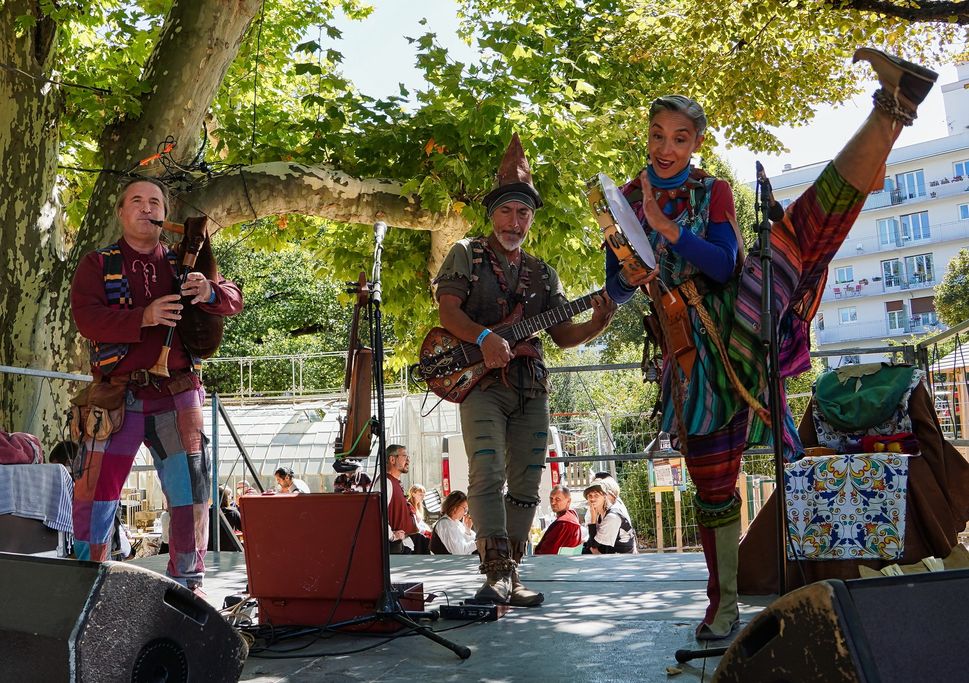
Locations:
(847, 507)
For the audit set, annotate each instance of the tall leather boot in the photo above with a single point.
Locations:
(497, 566)
(721, 547)
(521, 596)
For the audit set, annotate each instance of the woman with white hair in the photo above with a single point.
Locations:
(610, 531)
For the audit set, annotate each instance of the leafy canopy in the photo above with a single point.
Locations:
(574, 78)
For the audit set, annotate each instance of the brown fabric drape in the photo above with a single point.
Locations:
(937, 509)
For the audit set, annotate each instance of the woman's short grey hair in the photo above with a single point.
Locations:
(682, 104)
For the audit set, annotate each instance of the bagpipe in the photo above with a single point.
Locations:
(201, 332)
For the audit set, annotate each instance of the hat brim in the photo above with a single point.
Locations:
(501, 190)
(593, 487)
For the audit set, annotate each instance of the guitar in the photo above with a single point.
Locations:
(452, 367)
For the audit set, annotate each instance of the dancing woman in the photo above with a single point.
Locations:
(713, 384)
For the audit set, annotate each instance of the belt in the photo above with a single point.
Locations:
(143, 378)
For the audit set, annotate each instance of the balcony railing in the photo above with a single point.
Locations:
(937, 189)
(856, 246)
(851, 290)
(835, 333)
(881, 329)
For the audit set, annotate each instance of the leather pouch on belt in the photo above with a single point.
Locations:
(97, 411)
(679, 335)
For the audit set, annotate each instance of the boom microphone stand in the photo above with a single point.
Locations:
(389, 608)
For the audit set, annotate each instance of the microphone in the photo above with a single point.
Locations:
(379, 230)
(775, 211)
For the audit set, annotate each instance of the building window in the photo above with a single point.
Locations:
(911, 184)
(895, 312)
(848, 315)
(844, 274)
(892, 272)
(964, 212)
(961, 168)
(915, 226)
(919, 269)
(888, 232)
(923, 311)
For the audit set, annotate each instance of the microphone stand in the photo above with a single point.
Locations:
(389, 608)
(768, 210)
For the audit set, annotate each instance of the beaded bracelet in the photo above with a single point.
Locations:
(481, 337)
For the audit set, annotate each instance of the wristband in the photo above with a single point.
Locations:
(212, 297)
(481, 337)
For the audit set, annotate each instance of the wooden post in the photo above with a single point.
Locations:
(963, 402)
(678, 509)
(744, 510)
(658, 497)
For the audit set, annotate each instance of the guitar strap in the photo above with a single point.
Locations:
(510, 299)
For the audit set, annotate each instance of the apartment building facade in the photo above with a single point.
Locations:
(881, 283)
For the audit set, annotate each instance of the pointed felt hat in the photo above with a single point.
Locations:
(514, 180)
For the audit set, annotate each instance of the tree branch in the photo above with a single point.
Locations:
(282, 187)
(198, 42)
(921, 12)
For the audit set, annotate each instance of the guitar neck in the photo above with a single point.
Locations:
(529, 326)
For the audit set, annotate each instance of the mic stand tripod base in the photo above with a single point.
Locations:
(390, 610)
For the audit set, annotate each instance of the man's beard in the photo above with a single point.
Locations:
(510, 244)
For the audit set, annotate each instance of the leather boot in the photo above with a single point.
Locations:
(904, 84)
(521, 596)
(497, 566)
(721, 547)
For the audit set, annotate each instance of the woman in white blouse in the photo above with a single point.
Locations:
(453, 534)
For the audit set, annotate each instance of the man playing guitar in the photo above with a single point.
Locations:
(504, 419)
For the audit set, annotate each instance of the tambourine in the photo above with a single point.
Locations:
(621, 228)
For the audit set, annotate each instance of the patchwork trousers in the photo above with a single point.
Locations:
(171, 427)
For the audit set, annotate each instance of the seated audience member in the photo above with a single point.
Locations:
(287, 483)
(611, 531)
(452, 534)
(605, 476)
(565, 531)
(355, 481)
(229, 508)
(244, 488)
(64, 453)
(415, 503)
(231, 512)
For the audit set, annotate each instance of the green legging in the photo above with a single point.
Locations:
(505, 437)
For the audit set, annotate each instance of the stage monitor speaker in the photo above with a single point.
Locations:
(898, 629)
(65, 620)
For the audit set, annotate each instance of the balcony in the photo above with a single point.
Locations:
(889, 285)
(856, 246)
(836, 333)
(937, 189)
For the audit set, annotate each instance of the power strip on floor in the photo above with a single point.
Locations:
(468, 612)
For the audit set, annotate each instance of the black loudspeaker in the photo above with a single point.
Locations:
(899, 629)
(63, 620)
